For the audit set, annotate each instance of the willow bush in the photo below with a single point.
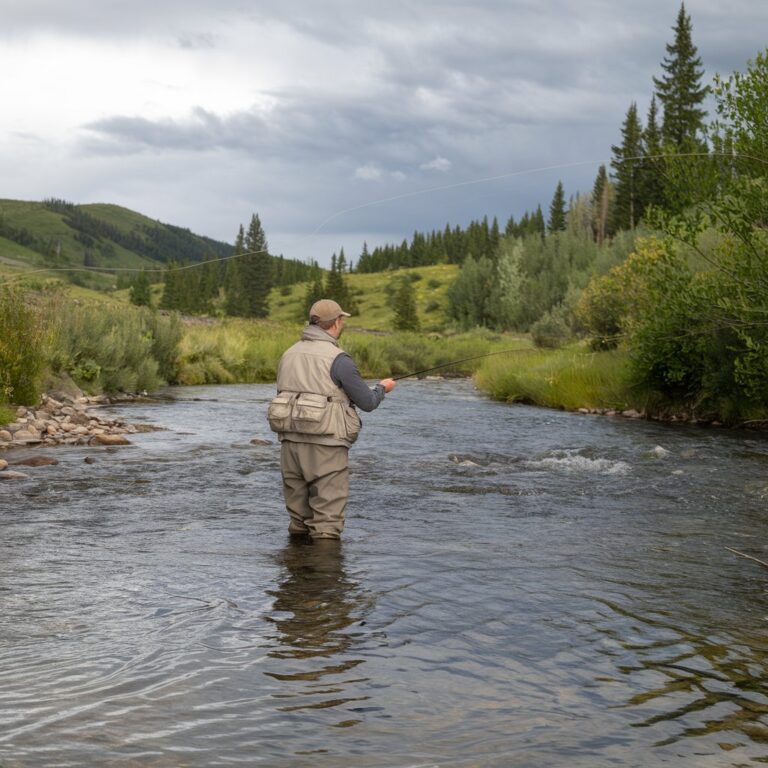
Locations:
(23, 346)
(111, 349)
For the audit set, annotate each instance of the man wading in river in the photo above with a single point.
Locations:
(318, 387)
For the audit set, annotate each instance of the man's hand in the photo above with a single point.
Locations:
(388, 384)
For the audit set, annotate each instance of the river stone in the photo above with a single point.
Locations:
(36, 461)
(21, 412)
(259, 441)
(24, 436)
(632, 414)
(110, 440)
(50, 405)
(659, 452)
(3, 464)
(5, 436)
(8, 475)
(89, 460)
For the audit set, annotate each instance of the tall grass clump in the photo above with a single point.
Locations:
(566, 378)
(23, 346)
(233, 351)
(114, 350)
(402, 353)
(245, 351)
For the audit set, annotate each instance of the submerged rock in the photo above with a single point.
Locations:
(9, 475)
(110, 440)
(659, 452)
(259, 441)
(36, 461)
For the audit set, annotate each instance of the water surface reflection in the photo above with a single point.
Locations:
(319, 614)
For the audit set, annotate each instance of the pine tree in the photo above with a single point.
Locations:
(680, 91)
(651, 182)
(140, 292)
(209, 285)
(315, 291)
(406, 316)
(256, 276)
(556, 221)
(235, 304)
(334, 284)
(627, 159)
(601, 206)
(336, 287)
(170, 297)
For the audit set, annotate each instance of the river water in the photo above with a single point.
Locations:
(516, 587)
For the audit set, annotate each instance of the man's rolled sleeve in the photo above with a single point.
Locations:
(345, 375)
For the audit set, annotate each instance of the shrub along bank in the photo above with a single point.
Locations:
(45, 338)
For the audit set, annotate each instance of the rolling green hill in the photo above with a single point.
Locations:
(73, 241)
(80, 244)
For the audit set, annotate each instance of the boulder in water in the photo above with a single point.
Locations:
(8, 475)
(36, 461)
(110, 440)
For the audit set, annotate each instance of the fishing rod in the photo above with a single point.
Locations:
(456, 362)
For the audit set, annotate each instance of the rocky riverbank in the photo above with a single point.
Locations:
(69, 420)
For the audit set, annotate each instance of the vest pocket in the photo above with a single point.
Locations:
(352, 423)
(279, 412)
(309, 412)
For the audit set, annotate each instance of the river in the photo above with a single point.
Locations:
(516, 587)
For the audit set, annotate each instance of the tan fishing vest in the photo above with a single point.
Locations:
(309, 407)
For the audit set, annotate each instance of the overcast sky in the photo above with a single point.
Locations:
(335, 121)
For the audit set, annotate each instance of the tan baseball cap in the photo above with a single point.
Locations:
(326, 310)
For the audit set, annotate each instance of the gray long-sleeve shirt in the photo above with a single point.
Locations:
(345, 375)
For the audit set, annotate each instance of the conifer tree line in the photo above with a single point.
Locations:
(237, 285)
(511, 279)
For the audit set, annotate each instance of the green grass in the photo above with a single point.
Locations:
(7, 415)
(566, 378)
(230, 351)
(369, 290)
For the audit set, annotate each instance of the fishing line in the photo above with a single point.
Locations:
(384, 200)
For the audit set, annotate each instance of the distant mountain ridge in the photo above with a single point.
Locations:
(58, 234)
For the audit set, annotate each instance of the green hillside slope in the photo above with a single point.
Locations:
(74, 241)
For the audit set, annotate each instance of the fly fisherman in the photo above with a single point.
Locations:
(318, 387)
